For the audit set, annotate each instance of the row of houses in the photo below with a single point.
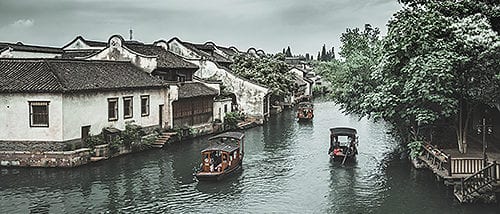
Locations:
(51, 97)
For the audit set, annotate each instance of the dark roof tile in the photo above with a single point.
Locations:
(80, 53)
(196, 89)
(202, 49)
(63, 75)
(166, 59)
(32, 48)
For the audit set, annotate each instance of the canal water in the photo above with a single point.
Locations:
(286, 170)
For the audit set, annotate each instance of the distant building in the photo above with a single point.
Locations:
(251, 98)
(20, 50)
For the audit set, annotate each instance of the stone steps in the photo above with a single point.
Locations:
(162, 139)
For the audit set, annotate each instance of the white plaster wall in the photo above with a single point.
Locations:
(176, 47)
(92, 109)
(15, 118)
(219, 108)
(5, 54)
(26, 54)
(249, 96)
(172, 95)
(297, 72)
(207, 69)
(79, 45)
(300, 74)
(147, 63)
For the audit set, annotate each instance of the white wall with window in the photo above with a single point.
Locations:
(96, 110)
(60, 117)
(221, 107)
(27, 117)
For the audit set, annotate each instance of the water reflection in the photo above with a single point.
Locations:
(286, 169)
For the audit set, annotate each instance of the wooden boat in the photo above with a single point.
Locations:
(343, 144)
(223, 157)
(305, 111)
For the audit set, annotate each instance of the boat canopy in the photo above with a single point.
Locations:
(343, 131)
(221, 147)
(305, 105)
(234, 135)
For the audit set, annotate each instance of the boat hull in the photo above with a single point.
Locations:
(341, 157)
(217, 176)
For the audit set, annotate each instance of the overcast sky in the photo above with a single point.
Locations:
(271, 25)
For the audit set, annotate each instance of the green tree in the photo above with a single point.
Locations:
(270, 71)
(439, 63)
(288, 52)
(323, 53)
(351, 77)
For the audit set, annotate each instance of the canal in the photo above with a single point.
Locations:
(286, 170)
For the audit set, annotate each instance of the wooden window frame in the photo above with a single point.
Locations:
(114, 99)
(131, 108)
(31, 113)
(147, 108)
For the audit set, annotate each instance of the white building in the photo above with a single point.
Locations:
(301, 75)
(252, 98)
(158, 61)
(47, 103)
(20, 50)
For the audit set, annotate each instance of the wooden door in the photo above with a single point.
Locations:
(85, 132)
(161, 116)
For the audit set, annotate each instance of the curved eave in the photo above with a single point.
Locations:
(124, 47)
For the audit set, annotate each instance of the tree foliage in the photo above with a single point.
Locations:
(438, 62)
(269, 70)
(288, 52)
(351, 77)
(325, 55)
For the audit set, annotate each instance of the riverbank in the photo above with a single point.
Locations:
(86, 155)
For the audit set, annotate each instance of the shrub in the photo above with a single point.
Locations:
(231, 120)
(415, 149)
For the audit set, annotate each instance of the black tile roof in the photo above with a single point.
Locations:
(229, 51)
(64, 75)
(79, 54)
(202, 49)
(31, 48)
(196, 89)
(90, 43)
(166, 59)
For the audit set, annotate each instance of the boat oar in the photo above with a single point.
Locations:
(345, 156)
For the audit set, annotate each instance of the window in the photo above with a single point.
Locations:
(112, 109)
(128, 107)
(144, 105)
(39, 113)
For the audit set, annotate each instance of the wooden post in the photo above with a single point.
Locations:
(495, 171)
(463, 191)
(449, 164)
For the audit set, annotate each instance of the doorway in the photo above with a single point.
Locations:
(161, 116)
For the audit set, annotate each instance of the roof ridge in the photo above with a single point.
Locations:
(56, 75)
(36, 46)
(65, 60)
